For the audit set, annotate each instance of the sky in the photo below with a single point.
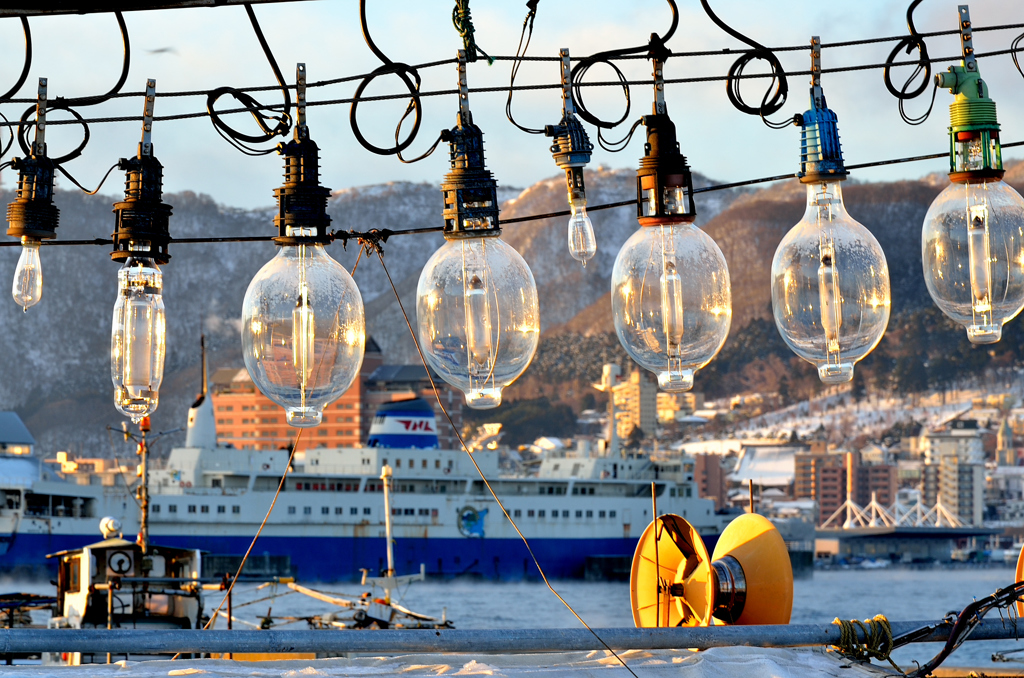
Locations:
(204, 48)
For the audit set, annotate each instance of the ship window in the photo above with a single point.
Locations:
(575, 490)
(517, 513)
(222, 509)
(236, 509)
(437, 463)
(450, 463)
(215, 482)
(433, 513)
(338, 510)
(611, 514)
(191, 508)
(540, 513)
(307, 510)
(590, 514)
(298, 486)
(156, 508)
(204, 509)
(305, 486)
(565, 514)
(542, 490)
(396, 512)
(591, 491)
(291, 510)
(325, 510)
(172, 508)
(672, 492)
(398, 463)
(529, 513)
(367, 511)
(689, 492)
(424, 463)
(75, 578)
(551, 490)
(353, 511)
(579, 514)
(442, 489)
(554, 514)
(424, 512)
(412, 488)
(412, 463)
(410, 512)
(600, 514)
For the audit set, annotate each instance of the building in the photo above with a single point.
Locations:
(826, 478)
(1006, 454)
(636, 404)
(673, 405)
(954, 470)
(248, 419)
(710, 478)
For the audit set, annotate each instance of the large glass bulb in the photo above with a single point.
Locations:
(582, 243)
(138, 341)
(303, 331)
(478, 316)
(28, 275)
(671, 301)
(830, 286)
(973, 253)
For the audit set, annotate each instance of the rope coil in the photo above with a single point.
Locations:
(877, 644)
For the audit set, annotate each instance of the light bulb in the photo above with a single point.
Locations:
(830, 286)
(303, 331)
(671, 301)
(973, 253)
(478, 316)
(138, 337)
(28, 275)
(582, 243)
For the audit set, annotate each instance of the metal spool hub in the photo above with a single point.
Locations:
(748, 580)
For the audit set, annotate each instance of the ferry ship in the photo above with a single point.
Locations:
(328, 523)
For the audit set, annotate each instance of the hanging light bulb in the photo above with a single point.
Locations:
(476, 308)
(33, 216)
(830, 281)
(971, 242)
(28, 275)
(671, 299)
(571, 150)
(138, 338)
(303, 331)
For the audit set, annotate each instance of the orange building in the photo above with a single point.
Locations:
(248, 419)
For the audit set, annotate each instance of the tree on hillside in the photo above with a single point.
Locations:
(857, 387)
(910, 375)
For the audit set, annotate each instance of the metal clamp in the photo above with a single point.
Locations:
(816, 93)
(301, 131)
(659, 87)
(966, 43)
(568, 106)
(146, 147)
(465, 117)
(39, 144)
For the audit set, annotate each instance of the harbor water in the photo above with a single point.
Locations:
(900, 594)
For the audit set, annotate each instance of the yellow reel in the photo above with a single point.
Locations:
(1020, 573)
(749, 580)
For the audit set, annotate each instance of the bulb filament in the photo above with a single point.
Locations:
(478, 326)
(303, 337)
(980, 261)
(831, 302)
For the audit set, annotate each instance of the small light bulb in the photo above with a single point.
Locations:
(972, 250)
(671, 301)
(138, 337)
(478, 316)
(303, 329)
(28, 276)
(582, 243)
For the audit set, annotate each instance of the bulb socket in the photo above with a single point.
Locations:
(302, 201)
(32, 214)
(821, 154)
(571, 149)
(470, 191)
(975, 154)
(664, 184)
(142, 218)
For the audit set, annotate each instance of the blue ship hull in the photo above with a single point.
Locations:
(330, 559)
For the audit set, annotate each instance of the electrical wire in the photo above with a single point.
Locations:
(1014, 50)
(27, 64)
(526, 35)
(375, 245)
(923, 65)
(655, 48)
(463, 22)
(284, 123)
(414, 107)
(775, 96)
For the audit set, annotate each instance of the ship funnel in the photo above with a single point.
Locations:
(201, 430)
(404, 424)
